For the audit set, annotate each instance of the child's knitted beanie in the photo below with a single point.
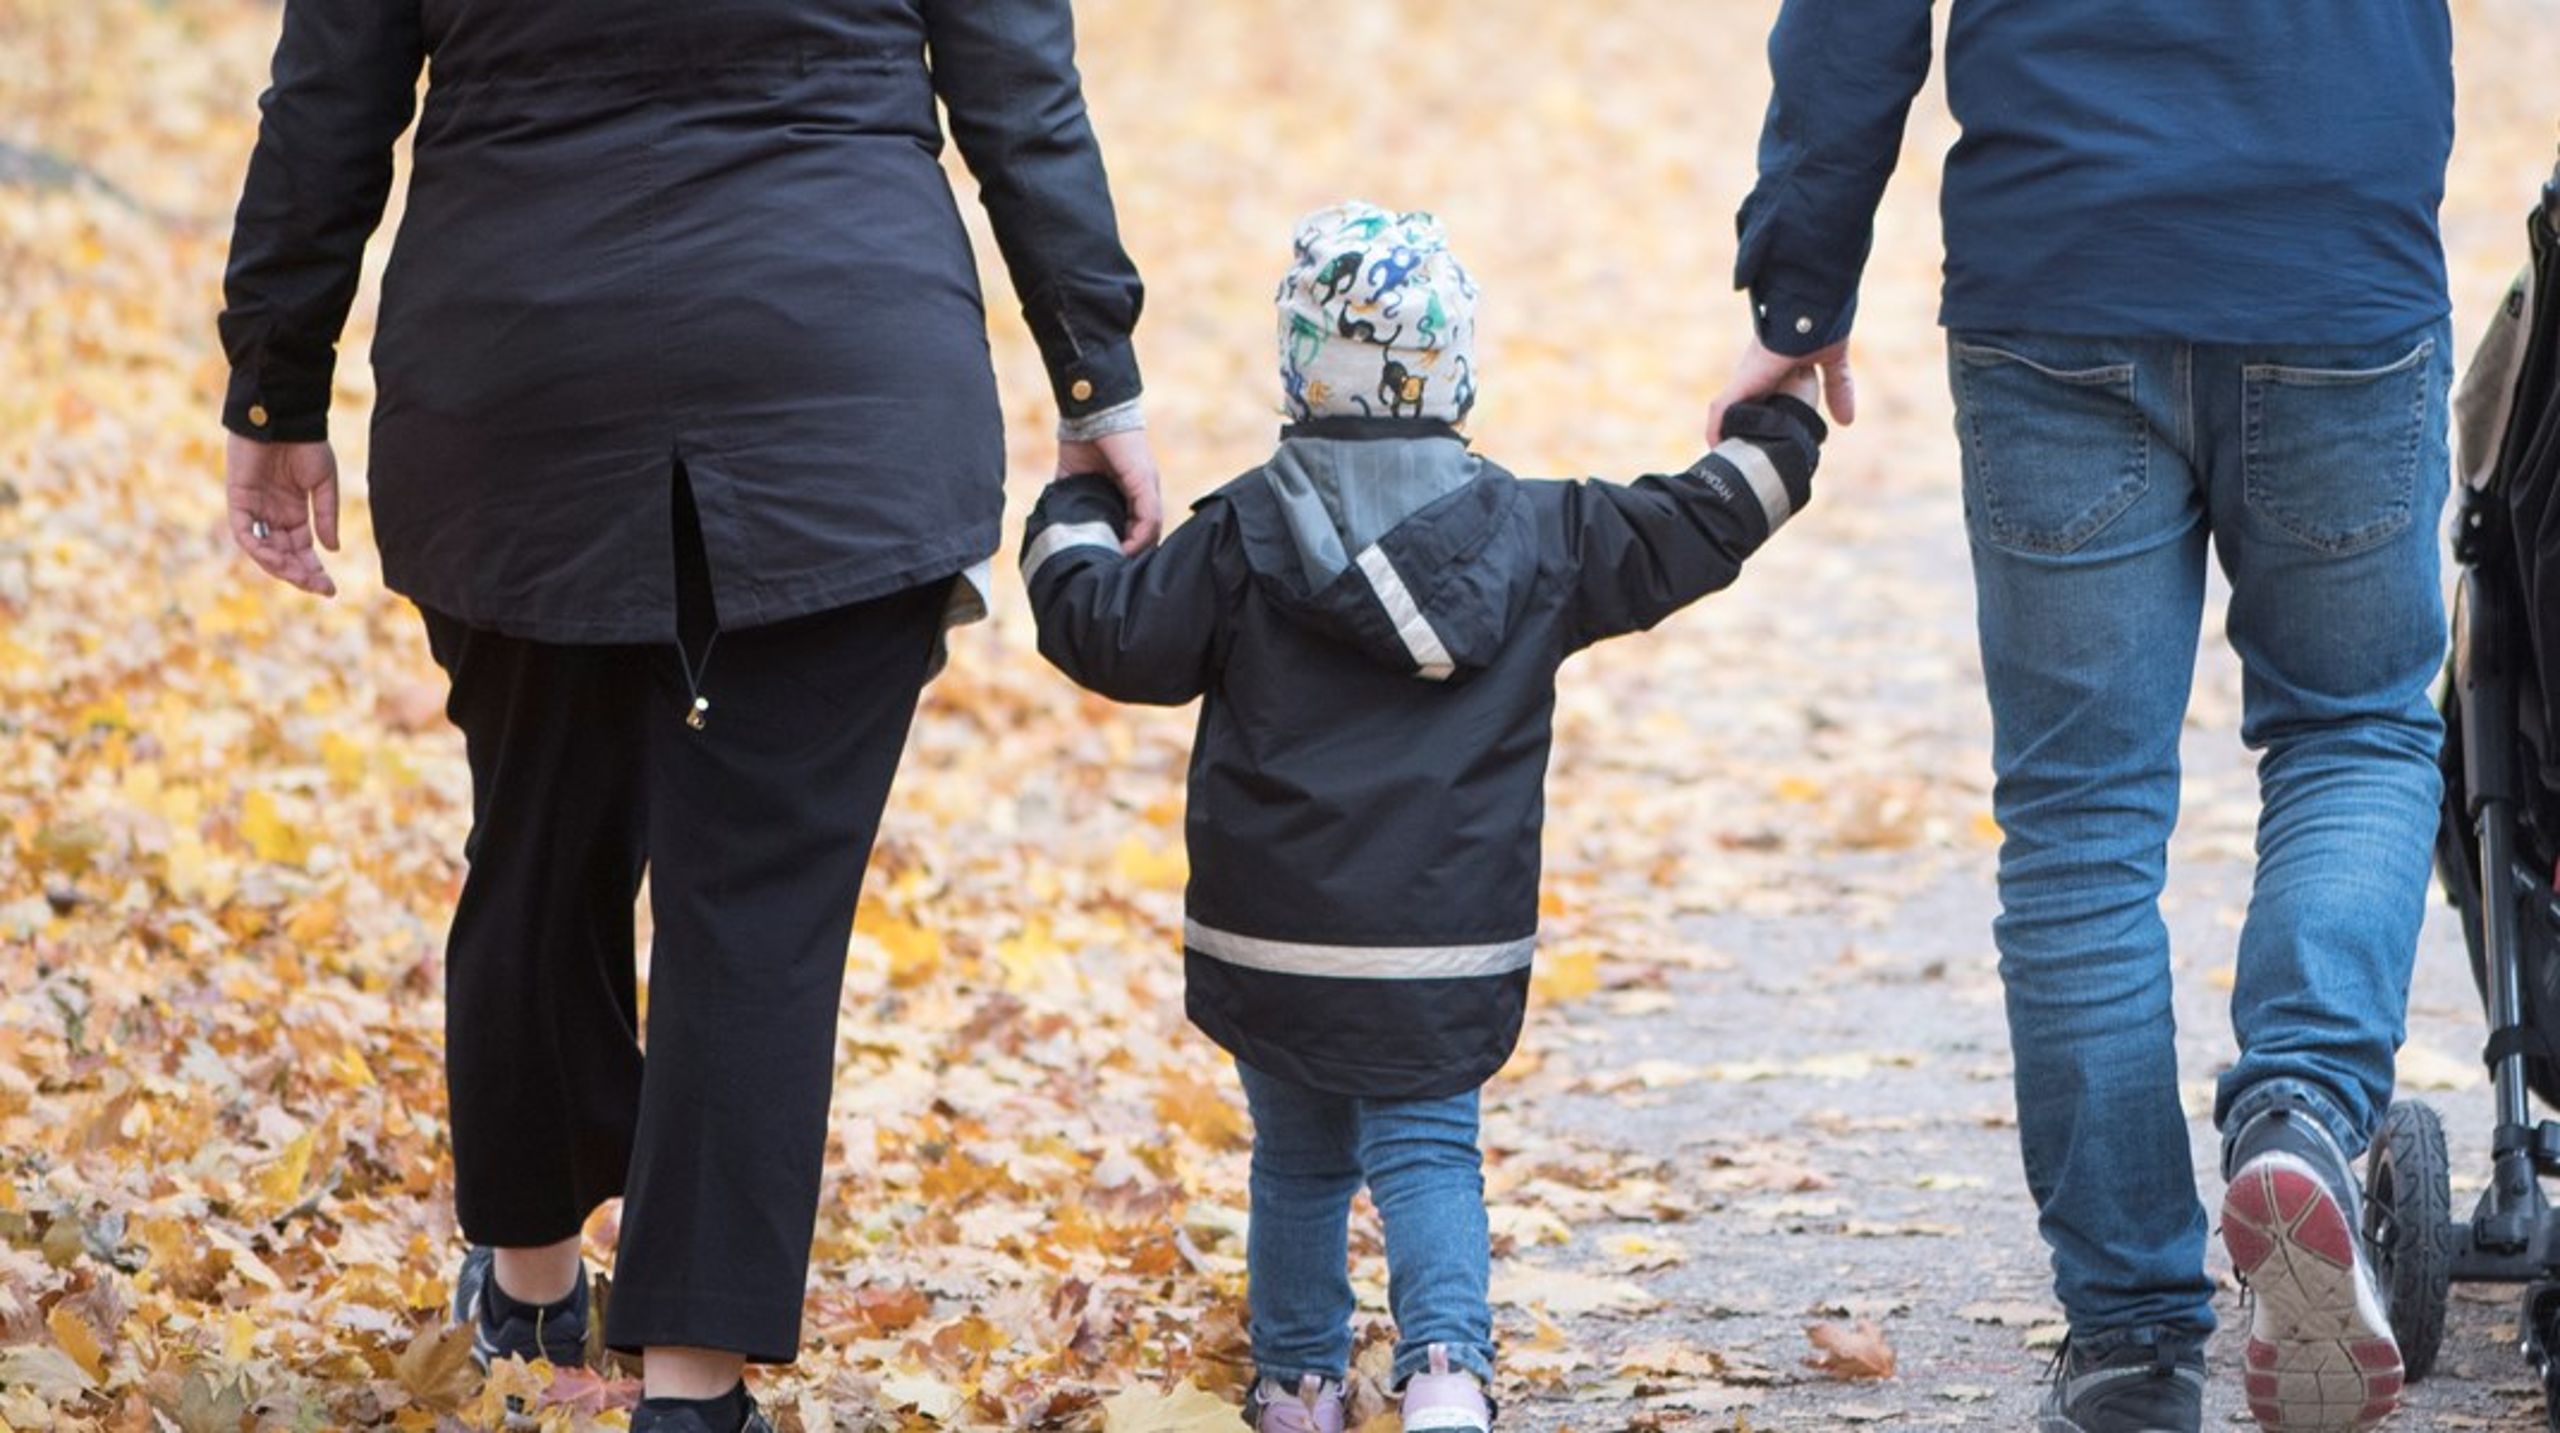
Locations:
(1377, 319)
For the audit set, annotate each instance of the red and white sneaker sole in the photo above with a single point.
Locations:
(2321, 1358)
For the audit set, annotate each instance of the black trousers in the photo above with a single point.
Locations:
(754, 831)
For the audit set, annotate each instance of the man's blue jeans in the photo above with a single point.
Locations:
(2095, 470)
(1311, 1152)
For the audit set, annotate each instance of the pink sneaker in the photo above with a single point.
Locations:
(2320, 1357)
(1315, 1408)
(1439, 1401)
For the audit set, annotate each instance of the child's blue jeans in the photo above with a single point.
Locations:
(1311, 1152)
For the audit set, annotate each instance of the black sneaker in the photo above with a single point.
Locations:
(531, 1334)
(2135, 1388)
(2321, 1358)
(685, 1420)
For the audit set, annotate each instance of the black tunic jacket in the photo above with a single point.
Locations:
(1368, 781)
(649, 232)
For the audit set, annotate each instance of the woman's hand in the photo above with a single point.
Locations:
(1124, 456)
(282, 496)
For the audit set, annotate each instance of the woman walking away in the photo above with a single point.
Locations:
(686, 438)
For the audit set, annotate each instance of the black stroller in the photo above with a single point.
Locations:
(2497, 848)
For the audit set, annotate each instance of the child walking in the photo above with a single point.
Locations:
(1375, 617)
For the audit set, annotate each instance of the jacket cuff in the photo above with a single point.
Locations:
(1119, 418)
(1795, 323)
(1799, 412)
(275, 407)
(1094, 380)
(1081, 511)
(1784, 435)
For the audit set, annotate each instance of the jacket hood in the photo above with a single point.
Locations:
(1390, 537)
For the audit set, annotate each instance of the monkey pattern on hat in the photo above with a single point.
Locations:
(1377, 318)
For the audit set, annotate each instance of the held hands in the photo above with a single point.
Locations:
(1759, 373)
(282, 496)
(1127, 459)
(1802, 384)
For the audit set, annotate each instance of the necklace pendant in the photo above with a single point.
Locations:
(695, 717)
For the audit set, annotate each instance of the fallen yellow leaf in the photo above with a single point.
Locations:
(271, 838)
(1566, 975)
(1183, 1408)
(280, 1183)
(1164, 868)
(78, 1340)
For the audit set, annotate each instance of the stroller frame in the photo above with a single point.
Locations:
(2512, 1236)
(2511, 914)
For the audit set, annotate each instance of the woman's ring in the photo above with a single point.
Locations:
(258, 529)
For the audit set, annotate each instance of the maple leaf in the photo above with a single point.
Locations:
(205, 1404)
(436, 1369)
(1850, 1351)
(885, 1310)
(585, 1392)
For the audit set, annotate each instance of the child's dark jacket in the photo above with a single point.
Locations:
(1376, 618)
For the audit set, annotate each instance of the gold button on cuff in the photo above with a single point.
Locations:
(257, 415)
(1082, 390)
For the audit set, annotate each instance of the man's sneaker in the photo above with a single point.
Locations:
(1439, 1400)
(2138, 1388)
(1314, 1406)
(2320, 1353)
(685, 1420)
(531, 1334)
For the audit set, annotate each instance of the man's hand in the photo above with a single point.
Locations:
(1759, 373)
(1131, 464)
(282, 495)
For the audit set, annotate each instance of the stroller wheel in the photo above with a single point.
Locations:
(2409, 1229)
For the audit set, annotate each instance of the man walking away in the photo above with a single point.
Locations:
(2195, 298)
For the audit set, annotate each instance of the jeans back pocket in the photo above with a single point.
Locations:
(2330, 455)
(2051, 455)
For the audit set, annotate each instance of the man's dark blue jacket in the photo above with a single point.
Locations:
(2227, 171)
(1375, 619)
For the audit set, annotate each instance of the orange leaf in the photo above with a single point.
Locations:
(1851, 1352)
(1196, 1106)
(436, 1367)
(887, 1310)
(582, 1390)
(78, 1340)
